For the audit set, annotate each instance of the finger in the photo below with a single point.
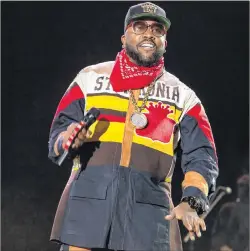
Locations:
(170, 216)
(192, 236)
(203, 225)
(71, 127)
(187, 224)
(84, 131)
(78, 142)
(83, 123)
(81, 136)
(197, 227)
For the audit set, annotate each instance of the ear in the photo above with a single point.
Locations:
(166, 43)
(123, 40)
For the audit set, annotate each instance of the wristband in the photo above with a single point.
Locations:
(195, 203)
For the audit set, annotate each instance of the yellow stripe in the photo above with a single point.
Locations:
(106, 131)
(107, 102)
(168, 179)
(75, 169)
(76, 164)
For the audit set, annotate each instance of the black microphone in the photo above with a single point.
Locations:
(226, 190)
(87, 121)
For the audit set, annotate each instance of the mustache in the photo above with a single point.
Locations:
(147, 40)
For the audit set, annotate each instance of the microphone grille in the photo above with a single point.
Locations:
(228, 190)
(94, 112)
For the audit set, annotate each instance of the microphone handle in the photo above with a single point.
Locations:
(62, 157)
(85, 123)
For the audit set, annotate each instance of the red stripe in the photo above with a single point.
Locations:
(111, 118)
(71, 95)
(199, 114)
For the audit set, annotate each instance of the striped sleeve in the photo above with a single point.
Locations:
(70, 109)
(199, 158)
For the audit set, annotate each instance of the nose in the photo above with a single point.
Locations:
(149, 33)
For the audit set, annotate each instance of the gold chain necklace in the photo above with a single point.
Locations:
(145, 99)
(138, 119)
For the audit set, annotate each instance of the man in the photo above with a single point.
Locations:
(231, 228)
(119, 193)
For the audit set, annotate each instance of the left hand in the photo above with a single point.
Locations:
(189, 218)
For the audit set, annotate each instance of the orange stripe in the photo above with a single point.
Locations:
(128, 133)
(107, 102)
(196, 180)
(71, 248)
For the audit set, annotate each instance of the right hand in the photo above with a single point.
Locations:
(81, 137)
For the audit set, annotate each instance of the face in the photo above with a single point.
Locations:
(144, 49)
(243, 192)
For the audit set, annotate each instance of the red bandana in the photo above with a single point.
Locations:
(127, 75)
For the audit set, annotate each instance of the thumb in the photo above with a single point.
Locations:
(170, 216)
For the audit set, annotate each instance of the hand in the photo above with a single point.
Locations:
(81, 137)
(189, 218)
(226, 248)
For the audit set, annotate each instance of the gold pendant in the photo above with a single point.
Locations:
(139, 120)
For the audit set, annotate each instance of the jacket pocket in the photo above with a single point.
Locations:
(152, 197)
(91, 187)
(147, 192)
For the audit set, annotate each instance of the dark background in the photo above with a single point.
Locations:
(44, 46)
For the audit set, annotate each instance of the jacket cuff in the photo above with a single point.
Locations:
(195, 192)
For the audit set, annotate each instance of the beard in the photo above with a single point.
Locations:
(141, 60)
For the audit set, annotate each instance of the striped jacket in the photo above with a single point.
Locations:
(104, 202)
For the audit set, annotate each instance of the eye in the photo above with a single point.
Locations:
(158, 29)
(139, 27)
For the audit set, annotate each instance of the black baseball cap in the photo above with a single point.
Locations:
(147, 10)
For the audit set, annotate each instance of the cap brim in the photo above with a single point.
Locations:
(165, 21)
